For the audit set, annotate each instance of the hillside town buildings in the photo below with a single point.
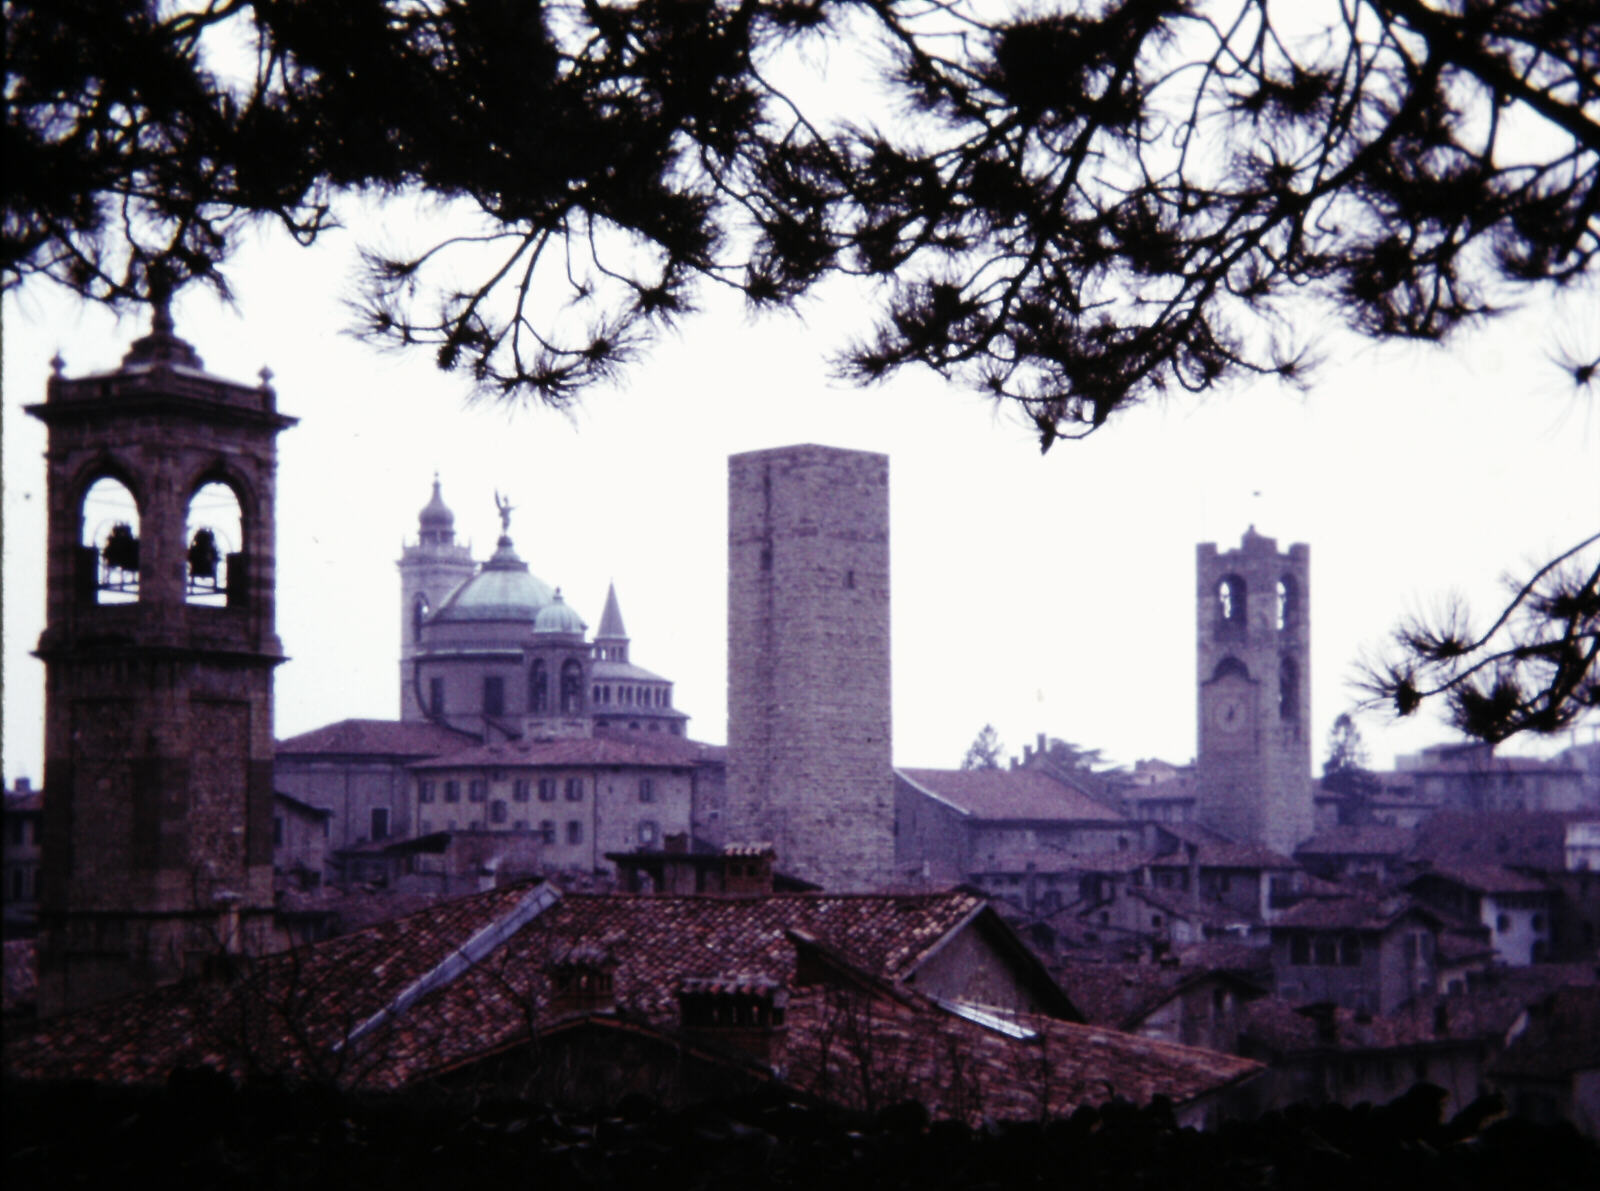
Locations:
(534, 877)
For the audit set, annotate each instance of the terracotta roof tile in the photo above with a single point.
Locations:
(388, 738)
(1530, 839)
(1482, 878)
(1358, 841)
(1010, 794)
(1351, 912)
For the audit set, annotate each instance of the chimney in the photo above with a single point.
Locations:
(583, 980)
(739, 1012)
(747, 868)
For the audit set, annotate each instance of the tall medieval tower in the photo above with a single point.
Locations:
(159, 651)
(1254, 635)
(430, 569)
(809, 744)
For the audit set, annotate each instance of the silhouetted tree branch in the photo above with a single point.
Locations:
(1534, 669)
(1076, 208)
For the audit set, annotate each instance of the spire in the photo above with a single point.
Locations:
(611, 619)
(611, 641)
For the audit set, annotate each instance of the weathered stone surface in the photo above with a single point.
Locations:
(809, 743)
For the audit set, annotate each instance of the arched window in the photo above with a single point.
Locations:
(1232, 602)
(538, 687)
(1288, 689)
(571, 685)
(1230, 666)
(419, 615)
(213, 536)
(1288, 603)
(109, 543)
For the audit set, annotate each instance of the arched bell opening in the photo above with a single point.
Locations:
(213, 536)
(108, 544)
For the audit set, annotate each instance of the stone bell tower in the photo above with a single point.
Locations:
(159, 649)
(1253, 768)
(430, 569)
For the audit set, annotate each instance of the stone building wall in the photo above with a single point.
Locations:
(809, 746)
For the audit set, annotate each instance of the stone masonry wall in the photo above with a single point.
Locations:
(809, 744)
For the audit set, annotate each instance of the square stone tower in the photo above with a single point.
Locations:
(809, 743)
(1253, 769)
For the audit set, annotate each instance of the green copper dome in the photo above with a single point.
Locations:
(558, 617)
(503, 589)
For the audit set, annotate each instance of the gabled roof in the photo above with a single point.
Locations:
(301, 808)
(660, 751)
(1560, 1038)
(1358, 841)
(1480, 878)
(1009, 794)
(377, 738)
(1529, 839)
(333, 985)
(1216, 853)
(1360, 911)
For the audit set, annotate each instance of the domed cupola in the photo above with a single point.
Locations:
(558, 617)
(502, 590)
(436, 524)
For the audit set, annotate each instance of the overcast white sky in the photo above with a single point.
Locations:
(1043, 594)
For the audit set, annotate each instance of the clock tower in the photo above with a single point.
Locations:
(1253, 771)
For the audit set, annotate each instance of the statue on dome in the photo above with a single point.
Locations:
(505, 506)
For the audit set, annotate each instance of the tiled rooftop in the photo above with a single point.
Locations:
(301, 1008)
(1010, 794)
(385, 738)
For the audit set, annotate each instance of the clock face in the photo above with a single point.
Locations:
(1230, 712)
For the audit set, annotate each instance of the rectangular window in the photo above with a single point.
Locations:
(519, 790)
(477, 790)
(380, 822)
(647, 790)
(452, 792)
(497, 811)
(436, 696)
(547, 789)
(494, 695)
(574, 789)
(649, 832)
(574, 831)
(424, 791)
(547, 830)
(520, 825)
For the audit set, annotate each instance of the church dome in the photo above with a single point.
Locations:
(558, 617)
(503, 589)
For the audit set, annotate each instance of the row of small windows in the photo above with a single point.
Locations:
(478, 790)
(1233, 603)
(631, 696)
(214, 571)
(494, 692)
(1325, 950)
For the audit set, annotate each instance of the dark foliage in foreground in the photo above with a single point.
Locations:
(200, 1132)
(1072, 208)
